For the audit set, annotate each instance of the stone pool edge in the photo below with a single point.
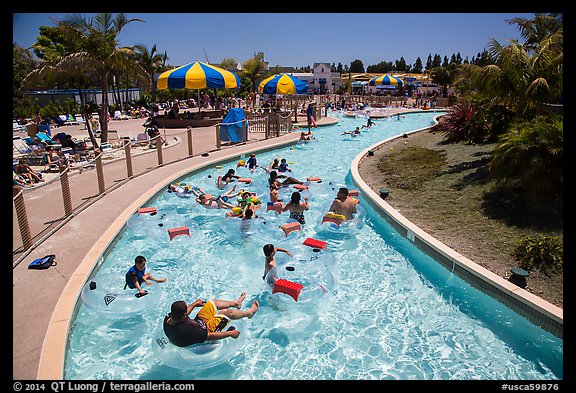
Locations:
(537, 310)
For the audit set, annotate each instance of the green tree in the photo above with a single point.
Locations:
(429, 62)
(400, 65)
(53, 46)
(152, 62)
(228, 64)
(382, 67)
(444, 76)
(417, 68)
(357, 66)
(254, 68)
(530, 156)
(23, 63)
(522, 77)
(99, 49)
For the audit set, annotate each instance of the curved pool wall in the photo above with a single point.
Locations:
(56, 338)
(540, 312)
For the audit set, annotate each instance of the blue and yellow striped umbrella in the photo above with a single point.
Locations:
(197, 75)
(282, 84)
(386, 80)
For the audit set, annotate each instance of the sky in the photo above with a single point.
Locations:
(296, 40)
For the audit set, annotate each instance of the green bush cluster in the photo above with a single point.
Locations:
(540, 252)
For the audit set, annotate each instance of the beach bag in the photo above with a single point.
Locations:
(43, 263)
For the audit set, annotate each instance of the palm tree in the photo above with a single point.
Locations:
(152, 62)
(522, 76)
(51, 47)
(99, 50)
(535, 30)
(254, 68)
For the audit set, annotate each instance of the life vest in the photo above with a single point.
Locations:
(129, 274)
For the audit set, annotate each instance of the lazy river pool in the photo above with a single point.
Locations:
(386, 309)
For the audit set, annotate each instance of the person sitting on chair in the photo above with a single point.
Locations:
(24, 170)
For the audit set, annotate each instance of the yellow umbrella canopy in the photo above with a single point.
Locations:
(197, 75)
(386, 80)
(282, 84)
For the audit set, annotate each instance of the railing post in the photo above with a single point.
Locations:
(100, 174)
(218, 142)
(189, 132)
(22, 217)
(159, 150)
(277, 115)
(267, 124)
(245, 130)
(127, 151)
(65, 190)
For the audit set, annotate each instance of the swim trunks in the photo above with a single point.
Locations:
(208, 314)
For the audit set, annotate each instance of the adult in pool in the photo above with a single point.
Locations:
(208, 324)
(343, 205)
(297, 208)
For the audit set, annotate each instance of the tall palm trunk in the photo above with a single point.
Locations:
(85, 114)
(104, 109)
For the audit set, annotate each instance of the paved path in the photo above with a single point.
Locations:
(36, 292)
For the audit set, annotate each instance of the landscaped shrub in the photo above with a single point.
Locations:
(530, 156)
(463, 122)
(540, 252)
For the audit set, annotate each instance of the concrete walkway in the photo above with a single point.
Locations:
(36, 292)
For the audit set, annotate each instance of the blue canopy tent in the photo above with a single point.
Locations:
(231, 126)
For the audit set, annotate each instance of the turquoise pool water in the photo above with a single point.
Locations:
(389, 311)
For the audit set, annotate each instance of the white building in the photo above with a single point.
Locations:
(324, 79)
(321, 79)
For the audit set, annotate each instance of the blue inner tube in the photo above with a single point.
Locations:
(110, 298)
(197, 356)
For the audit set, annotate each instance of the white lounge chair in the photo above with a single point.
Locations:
(16, 127)
(79, 118)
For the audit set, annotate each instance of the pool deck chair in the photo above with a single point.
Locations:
(45, 138)
(16, 127)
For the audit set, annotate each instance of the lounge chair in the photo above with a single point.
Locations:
(71, 120)
(45, 138)
(79, 118)
(61, 120)
(142, 139)
(21, 146)
(31, 152)
(114, 139)
(17, 127)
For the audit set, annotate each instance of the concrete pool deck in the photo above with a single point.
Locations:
(39, 347)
